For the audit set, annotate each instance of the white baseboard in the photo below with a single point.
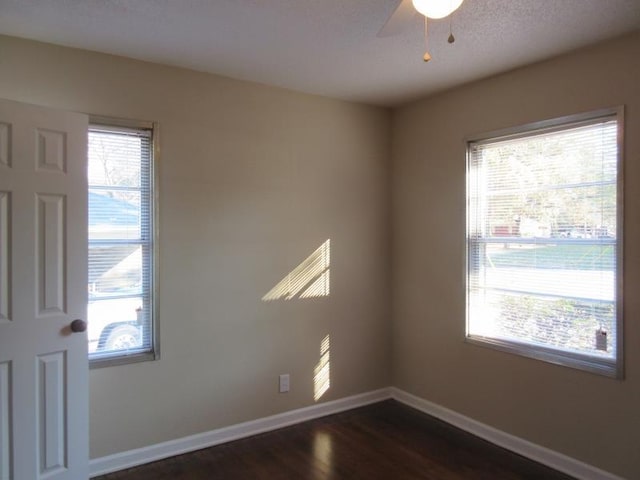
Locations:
(139, 456)
(540, 454)
(152, 453)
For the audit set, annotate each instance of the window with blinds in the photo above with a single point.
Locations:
(121, 313)
(544, 242)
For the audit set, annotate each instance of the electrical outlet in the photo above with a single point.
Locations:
(284, 383)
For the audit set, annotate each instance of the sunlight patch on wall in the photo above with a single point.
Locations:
(322, 371)
(310, 279)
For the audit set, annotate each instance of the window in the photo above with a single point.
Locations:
(121, 310)
(544, 240)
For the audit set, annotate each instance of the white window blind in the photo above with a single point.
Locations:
(543, 236)
(121, 307)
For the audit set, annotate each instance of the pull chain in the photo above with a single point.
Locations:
(451, 38)
(426, 56)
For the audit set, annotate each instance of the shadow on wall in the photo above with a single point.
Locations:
(310, 279)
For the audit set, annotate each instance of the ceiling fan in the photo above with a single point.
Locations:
(407, 9)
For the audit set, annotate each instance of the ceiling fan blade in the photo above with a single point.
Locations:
(399, 19)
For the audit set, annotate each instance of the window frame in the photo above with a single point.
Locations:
(153, 127)
(608, 367)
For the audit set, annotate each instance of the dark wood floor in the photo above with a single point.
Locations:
(383, 441)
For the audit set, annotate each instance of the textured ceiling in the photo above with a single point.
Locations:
(325, 47)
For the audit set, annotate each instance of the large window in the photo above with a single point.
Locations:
(121, 311)
(544, 241)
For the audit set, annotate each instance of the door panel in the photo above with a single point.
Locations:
(43, 287)
(50, 254)
(52, 448)
(51, 150)
(5, 151)
(5, 420)
(5, 260)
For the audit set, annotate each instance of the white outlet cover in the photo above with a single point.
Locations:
(284, 383)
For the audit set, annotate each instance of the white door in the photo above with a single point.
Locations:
(43, 288)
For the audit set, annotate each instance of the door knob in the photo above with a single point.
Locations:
(78, 326)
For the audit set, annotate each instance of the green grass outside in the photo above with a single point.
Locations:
(571, 257)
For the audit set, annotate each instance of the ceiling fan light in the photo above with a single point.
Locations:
(436, 8)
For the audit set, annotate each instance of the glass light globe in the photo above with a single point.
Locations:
(436, 8)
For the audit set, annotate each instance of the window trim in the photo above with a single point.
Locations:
(154, 127)
(607, 367)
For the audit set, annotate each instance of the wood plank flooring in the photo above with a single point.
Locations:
(383, 441)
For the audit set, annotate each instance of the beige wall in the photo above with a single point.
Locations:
(253, 180)
(591, 418)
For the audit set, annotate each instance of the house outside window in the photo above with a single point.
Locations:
(122, 316)
(544, 241)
